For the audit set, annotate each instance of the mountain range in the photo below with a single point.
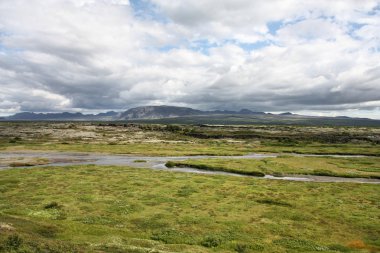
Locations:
(143, 112)
(175, 114)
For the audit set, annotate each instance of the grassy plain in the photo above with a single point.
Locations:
(120, 209)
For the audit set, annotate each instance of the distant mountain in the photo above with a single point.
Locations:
(158, 112)
(264, 119)
(246, 111)
(143, 112)
(107, 114)
(64, 116)
(286, 114)
(185, 115)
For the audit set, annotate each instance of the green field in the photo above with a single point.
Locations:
(120, 209)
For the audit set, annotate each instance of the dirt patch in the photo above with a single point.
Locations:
(23, 161)
(6, 227)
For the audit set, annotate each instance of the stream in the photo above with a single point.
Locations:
(158, 163)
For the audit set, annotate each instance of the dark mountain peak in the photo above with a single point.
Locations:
(105, 114)
(156, 112)
(222, 112)
(286, 114)
(245, 111)
(45, 116)
(23, 115)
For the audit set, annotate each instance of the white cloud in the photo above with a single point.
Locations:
(95, 54)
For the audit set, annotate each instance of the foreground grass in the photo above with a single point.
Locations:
(119, 209)
(364, 167)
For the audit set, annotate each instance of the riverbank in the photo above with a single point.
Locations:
(359, 169)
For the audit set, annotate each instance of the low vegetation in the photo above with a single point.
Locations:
(119, 209)
(177, 140)
(361, 167)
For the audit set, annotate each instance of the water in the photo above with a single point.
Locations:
(158, 163)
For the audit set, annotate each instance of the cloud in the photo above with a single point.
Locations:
(261, 55)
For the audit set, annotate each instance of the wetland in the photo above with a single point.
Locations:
(121, 187)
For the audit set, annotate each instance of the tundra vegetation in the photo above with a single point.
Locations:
(358, 167)
(88, 208)
(175, 140)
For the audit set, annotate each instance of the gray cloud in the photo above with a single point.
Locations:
(95, 55)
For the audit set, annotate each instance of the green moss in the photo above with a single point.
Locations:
(140, 210)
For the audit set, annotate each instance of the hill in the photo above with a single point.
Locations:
(186, 115)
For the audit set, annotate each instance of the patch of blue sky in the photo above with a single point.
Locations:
(274, 26)
(203, 46)
(145, 9)
(375, 49)
(167, 48)
(250, 46)
(254, 46)
(9, 51)
(352, 28)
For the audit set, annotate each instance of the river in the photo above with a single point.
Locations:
(158, 163)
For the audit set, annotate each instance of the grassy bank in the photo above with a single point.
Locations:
(197, 147)
(151, 149)
(119, 209)
(363, 167)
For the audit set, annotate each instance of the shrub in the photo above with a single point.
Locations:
(20, 164)
(243, 248)
(274, 202)
(13, 242)
(173, 128)
(139, 161)
(211, 241)
(170, 164)
(322, 172)
(52, 205)
(15, 139)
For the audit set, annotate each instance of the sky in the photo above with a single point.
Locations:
(316, 57)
